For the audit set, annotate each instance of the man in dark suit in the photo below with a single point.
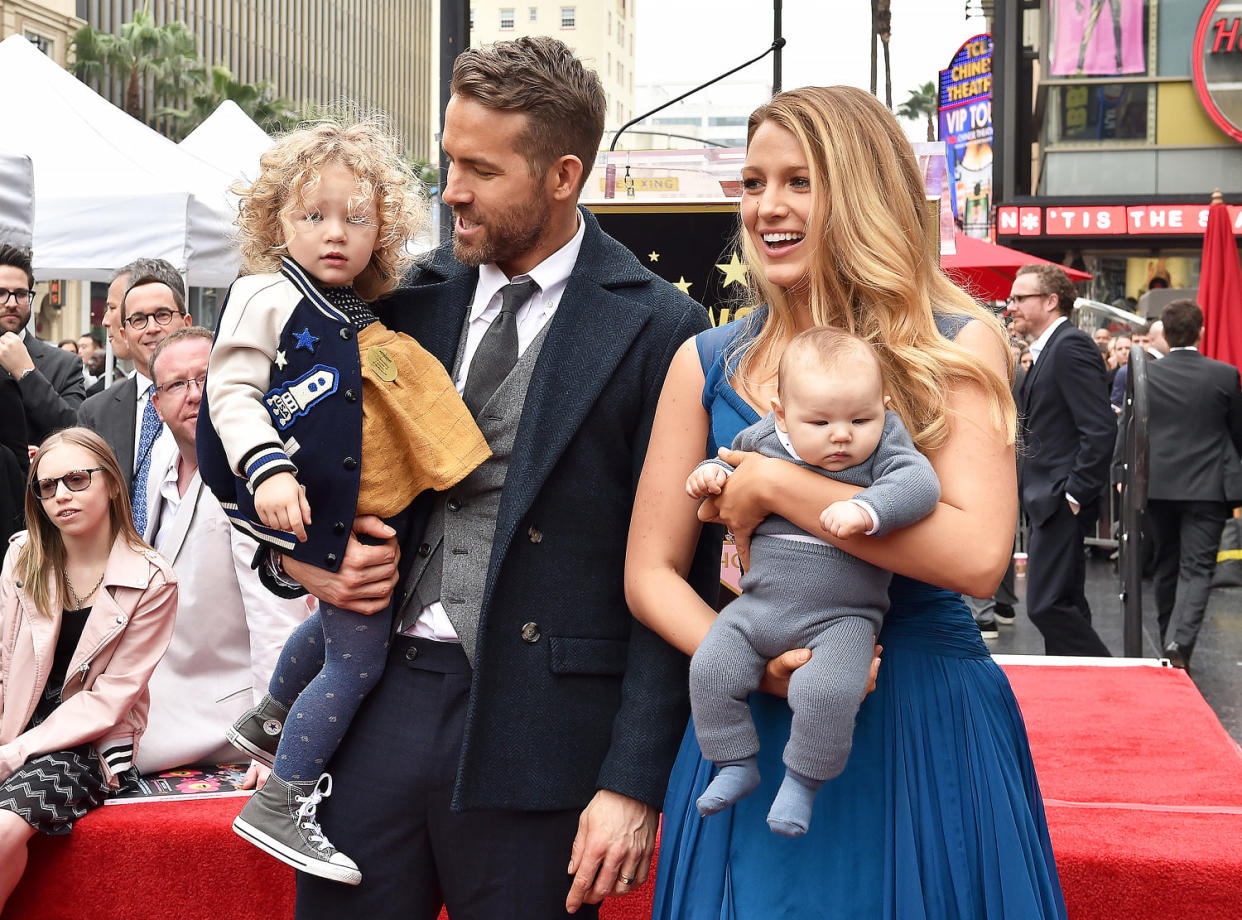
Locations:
(524, 721)
(1194, 474)
(1069, 428)
(49, 378)
(153, 305)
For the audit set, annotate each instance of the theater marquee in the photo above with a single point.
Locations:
(1108, 220)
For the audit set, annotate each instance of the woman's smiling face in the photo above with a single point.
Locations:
(776, 203)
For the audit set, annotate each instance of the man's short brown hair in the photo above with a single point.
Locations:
(1183, 321)
(178, 335)
(1053, 280)
(540, 77)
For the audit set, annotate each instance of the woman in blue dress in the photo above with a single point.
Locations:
(938, 813)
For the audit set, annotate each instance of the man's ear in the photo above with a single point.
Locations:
(564, 175)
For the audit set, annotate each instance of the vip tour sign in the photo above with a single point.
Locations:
(966, 130)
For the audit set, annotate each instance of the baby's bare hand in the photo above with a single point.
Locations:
(845, 519)
(708, 480)
(281, 504)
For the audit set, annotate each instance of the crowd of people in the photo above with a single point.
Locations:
(419, 539)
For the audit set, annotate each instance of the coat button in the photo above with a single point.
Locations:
(350, 463)
(454, 505)
(411, 653)
(424, 550)
(338, 528)
(347, 333)
(329, 559)
(535, 534)
(351, 396)
(530, 633)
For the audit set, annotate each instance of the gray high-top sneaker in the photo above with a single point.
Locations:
(257, 731)
(280, 819)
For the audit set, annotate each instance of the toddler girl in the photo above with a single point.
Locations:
(313, 407)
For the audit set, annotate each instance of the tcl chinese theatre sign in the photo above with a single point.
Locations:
(1217, 58)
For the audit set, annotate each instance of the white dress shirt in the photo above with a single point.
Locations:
(551, 275)
(1037, 346)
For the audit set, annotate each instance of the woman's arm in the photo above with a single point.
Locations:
(664, 528)
(964, 545)
(91, 714)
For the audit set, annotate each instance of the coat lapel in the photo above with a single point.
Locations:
(185, 515)
(1045, 358)
(590, 334)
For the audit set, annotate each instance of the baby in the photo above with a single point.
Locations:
(801, 592)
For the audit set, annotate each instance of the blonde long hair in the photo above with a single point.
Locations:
(874, 266)
(44, 551)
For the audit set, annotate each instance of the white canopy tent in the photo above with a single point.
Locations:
(229, 140)
(108, 189)
(16, 200)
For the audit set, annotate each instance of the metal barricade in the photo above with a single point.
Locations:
(1133, 500)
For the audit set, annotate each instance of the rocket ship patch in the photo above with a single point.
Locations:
(290, 402)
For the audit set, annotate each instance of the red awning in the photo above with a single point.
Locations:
(987, 270)
(1220, 288)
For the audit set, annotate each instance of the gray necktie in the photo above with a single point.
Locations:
(498, 351)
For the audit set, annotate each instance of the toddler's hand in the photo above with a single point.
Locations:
(705, 481)
(844, 519)
(281, 504)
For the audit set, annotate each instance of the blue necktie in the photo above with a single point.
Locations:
(151, 426)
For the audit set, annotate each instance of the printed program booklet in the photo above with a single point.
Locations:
(207, 781)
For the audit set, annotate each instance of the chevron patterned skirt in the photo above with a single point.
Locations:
(51, 791)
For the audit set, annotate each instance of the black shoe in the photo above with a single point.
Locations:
(987, 626)
(1004, 614)
(1178, 655)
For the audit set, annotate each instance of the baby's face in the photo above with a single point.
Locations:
(834, 420)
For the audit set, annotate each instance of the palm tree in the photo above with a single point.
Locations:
(883, 28)
(166, 54)
(924, 101)
(259, 101)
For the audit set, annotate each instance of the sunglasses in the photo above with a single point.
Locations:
(74, 480)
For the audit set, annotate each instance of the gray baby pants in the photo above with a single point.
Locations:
(796, 595)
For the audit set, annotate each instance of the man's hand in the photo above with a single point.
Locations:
(280, 503)
(706, 480)
(14, 357)
(616, 836)
(844, 519)
(367, 576)
(1074, 506)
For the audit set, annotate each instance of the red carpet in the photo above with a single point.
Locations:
(1143, 790)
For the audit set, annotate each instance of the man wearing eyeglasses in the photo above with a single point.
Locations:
(152, 307)
(230, 629)
(1069, 429)
(50, 380)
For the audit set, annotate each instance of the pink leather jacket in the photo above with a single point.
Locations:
(105, 698)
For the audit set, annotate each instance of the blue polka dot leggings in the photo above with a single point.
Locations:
(327, 667)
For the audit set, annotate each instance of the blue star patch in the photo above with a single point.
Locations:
(306, 340)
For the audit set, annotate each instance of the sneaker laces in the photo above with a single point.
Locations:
(306, 819)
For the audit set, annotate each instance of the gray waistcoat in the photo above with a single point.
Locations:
(452, 562)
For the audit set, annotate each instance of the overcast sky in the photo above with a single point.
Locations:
(691, 41)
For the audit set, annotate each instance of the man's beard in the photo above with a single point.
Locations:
(509, 235)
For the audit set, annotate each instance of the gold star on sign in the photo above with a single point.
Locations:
(653, 256)
(683, 285)
(734, 270)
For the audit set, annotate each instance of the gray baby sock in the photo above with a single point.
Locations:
(736, 780)
(791, 811)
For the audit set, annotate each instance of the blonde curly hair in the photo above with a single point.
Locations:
(291, 170)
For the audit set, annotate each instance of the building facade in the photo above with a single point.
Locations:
(370, 53)
(716, 116)
(1109, 142)
(601, 33)
(47, 24)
